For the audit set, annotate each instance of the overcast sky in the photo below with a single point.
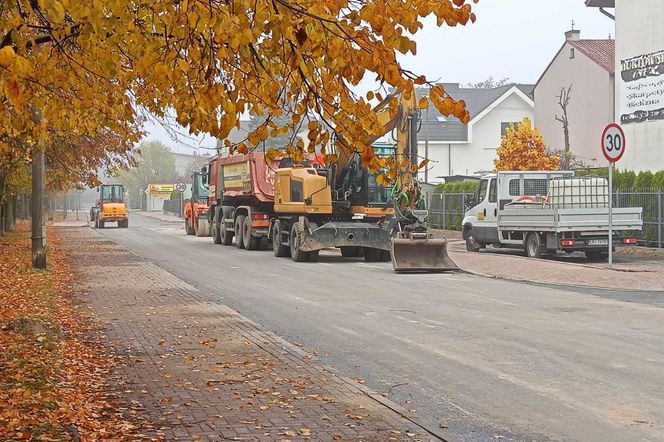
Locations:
(511, 38)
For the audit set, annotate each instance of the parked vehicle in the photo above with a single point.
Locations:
(546, 212)
(111, 206)
(196, 209)
(304, 207)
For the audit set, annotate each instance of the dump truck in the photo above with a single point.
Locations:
(545, 212)
(110, 206)
(302, 208)
(196, 209)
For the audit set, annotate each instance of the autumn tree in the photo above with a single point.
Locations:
(91, 64)
(155, 164)
(523, 148)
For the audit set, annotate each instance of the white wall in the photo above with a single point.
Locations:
(639, 31)
(590, 108)
(478, 155)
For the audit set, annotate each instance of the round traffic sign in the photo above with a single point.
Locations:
(180, 187)
(613, 142)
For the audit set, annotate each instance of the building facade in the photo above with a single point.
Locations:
(639, 88)
(585, 68)
(454, 148)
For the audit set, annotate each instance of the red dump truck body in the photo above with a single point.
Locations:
(241, 198)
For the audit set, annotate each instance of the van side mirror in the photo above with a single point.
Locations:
(468, 201)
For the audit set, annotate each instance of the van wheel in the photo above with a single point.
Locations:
(534, 248)
(278, 248)
(471, 243)
(239, 238)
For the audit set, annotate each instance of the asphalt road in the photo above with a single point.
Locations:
(481, 358)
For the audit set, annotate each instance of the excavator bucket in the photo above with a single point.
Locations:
(421, 255)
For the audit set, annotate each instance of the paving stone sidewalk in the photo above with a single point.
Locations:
(201, 371)
(630, 273)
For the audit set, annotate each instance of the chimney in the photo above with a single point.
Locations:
(573, 35)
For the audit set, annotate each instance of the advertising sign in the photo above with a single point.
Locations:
(642, 88)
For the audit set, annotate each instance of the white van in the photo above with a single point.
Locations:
(544, 212)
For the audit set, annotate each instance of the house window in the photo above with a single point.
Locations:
(505, 126)
(571, 52)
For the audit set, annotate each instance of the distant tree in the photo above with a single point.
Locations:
(523, 148)
(489, 83)
(195, 166)
(156, 164)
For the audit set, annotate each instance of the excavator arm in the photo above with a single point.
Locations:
(413, 246)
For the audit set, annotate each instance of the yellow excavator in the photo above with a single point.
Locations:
(343, 206)
(413, 246)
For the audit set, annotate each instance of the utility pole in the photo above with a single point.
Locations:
(426, 146)
(38, 227)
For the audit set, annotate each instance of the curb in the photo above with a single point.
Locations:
(552, 284)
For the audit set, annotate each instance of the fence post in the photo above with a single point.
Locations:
(443, 197)
(659, 218)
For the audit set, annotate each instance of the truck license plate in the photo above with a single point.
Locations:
(598, 242)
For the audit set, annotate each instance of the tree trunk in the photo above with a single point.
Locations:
(38, 228)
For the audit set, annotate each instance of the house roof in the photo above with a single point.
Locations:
(450, 129)
(601, 52)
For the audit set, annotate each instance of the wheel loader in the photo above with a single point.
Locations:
(110, 207)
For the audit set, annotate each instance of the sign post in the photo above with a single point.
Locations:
(613, 148)
(180, 186)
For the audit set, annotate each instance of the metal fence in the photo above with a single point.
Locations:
(446, 211)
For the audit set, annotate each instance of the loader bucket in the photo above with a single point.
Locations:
(421, 255)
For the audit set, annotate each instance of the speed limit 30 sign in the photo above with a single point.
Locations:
(613, 142)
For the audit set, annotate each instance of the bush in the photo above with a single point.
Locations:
(468, 186)
(643, 180)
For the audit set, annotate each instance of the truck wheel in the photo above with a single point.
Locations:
(250, 242)
(123, 224)
(187, 227)
(471, 243)
(226, 236)
(595, 255)
(216, 234)
(101, 224)
(280, 250)
(534, 248)
(239, 238)
(373, 255)
(351, 251)
(297, 255)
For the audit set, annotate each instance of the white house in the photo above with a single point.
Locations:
(458, 149)
(639, 86)
(587, 67)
